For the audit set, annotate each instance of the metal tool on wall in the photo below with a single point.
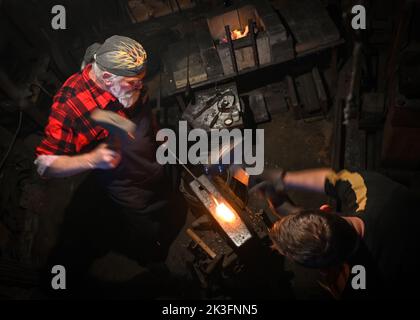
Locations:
(350, 109)
(218, 108)
(224, 105)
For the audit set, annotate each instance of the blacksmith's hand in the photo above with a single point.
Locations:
(104, 158)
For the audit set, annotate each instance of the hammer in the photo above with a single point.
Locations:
(118, 126)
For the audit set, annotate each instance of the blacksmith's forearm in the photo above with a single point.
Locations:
(66, 166)
(312, 179)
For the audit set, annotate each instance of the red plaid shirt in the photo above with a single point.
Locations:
(70, 129)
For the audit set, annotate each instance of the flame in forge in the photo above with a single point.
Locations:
(237, 34)
(223, 212)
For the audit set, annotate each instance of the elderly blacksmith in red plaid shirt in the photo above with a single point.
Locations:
(112, 82)
(73, 143)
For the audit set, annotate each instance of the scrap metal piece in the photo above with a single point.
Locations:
(307, 94)
(322, 95)
(258, 107)
(275, 98)
(293, 100)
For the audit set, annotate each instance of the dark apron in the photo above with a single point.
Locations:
(138, 182)
(144, 196)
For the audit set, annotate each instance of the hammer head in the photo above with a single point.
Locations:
(114, 123)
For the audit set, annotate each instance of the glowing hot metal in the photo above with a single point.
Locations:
(222, 212)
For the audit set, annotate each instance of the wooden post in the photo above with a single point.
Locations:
(253, 42)
(232, 49)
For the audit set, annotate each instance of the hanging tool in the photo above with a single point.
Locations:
(211, 101)
(224, 104)
(350, 106)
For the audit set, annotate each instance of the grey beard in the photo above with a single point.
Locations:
(126, 99)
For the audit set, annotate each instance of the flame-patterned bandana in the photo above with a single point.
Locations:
(121, 56)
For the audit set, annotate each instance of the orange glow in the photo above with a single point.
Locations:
(237, 34)
(225, 213)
